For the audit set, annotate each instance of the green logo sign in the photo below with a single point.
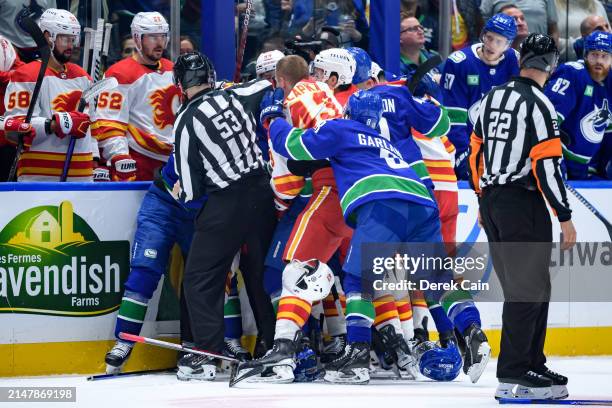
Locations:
(473, 79)
(588, 91)
(52, 263)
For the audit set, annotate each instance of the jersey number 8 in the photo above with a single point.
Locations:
(19, 99)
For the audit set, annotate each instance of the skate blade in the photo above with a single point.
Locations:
(476, 370)
(560, 392)
(282, 375)
(506, 390)
(361, 376)
(238, 375)
(113, 370)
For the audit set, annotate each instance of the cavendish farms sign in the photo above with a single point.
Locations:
(53, 263)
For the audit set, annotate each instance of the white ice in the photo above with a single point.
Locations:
(590, 378)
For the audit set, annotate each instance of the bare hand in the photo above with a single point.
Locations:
(569, 234)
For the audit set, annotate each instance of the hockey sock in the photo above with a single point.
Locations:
(419, 308)
(386, 313)
(404, 311)
(131, 314)
(443, 323)
(461, 309)
(359, 317)
(291, 316)
(232, 317)
(334, 315)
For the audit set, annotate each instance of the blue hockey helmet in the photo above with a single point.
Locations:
(598, 41)
(365, 107)
(363, 69)
(501, 24)
(438, 363)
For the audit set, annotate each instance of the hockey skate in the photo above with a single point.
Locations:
(276, 366)
(477, 352)
(352, 367)
(196, 367)
(398, 350)
(116, 358)
(529, 386)
(333, 349)
(233, 348)
(559, 383)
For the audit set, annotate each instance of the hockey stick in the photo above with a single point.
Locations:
(37, 35)
(592, 209)
(243, 39)
(526, 401)
(422, 70)
(173, 346)
(91, 92)
(98, 377)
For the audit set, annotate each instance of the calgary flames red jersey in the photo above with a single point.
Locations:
(138, 114)
(59, 92)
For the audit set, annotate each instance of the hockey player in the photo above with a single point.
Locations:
(55, 119)
(363, 162)
(162, 221)
(265, 67)
(335, 67)
(133, 123)
(579, 93)
(470, 73)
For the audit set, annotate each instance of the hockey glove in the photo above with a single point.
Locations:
(71, 124)
(14, 127)
(271, 107)
(123, 168)
(101, 173)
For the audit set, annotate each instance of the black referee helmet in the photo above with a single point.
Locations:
(192, 69)
(539, 51)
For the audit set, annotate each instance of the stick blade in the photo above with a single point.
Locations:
(102, 85)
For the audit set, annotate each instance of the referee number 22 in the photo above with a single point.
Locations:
(499, 124)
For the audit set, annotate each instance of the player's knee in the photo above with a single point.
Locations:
(143, 281)
(310, 280)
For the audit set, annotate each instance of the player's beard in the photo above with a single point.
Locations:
(62, 58)
(600, 74)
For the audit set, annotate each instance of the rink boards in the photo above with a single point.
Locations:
(64, 255)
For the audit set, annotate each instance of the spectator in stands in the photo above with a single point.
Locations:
(24, 44)
(187, 45)
(522, 29)
(569, 24)
(587, 26)
(427, 14)
(298, 13)
(469, 11)
(273, 43)
(128, 46)
(541, 15)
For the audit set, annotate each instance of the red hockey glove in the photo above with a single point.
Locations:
(14, 127)
(123, 168)
(101, 173)
(71, 124)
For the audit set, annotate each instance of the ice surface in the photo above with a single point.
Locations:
(590, 378)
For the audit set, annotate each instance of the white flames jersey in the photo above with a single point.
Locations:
(59, 92)
(308, 103)
(138, 114)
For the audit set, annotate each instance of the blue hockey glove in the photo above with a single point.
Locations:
(271, 107)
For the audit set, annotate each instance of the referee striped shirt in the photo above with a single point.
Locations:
(516, 141)
(215, 140)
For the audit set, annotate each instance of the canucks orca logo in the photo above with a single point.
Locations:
(594, 124)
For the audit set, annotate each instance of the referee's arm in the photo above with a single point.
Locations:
(545, 155)
(475, 160)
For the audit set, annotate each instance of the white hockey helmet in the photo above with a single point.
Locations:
(376, 70)
(267, 61)
(335, 60)
(310, 280)
(7, 54)
(148, 22)
(58, 21)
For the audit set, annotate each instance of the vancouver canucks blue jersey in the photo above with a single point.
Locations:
(584, 114)
(401, 113)
(465, 79)
(166, 181)
(366, 166)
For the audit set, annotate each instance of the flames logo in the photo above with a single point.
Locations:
(165, 102)
(66, 102)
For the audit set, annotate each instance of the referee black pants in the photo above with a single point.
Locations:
(513, 217)
(241, 214)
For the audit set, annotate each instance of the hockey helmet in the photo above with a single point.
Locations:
(148, 22)
(539, 51)
(311, 280)
(501, 24)
(335, 60)
(365, 107)
(598, 41)
(7, 54)
(267, 61)
(192, 69)
(363, 65)
(58, 21)
(438, 363)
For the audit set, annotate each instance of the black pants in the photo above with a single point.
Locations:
(515, 218)
(241, 214)
(7, 155)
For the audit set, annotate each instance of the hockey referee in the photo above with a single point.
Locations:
(216, 154)
(515, 151)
